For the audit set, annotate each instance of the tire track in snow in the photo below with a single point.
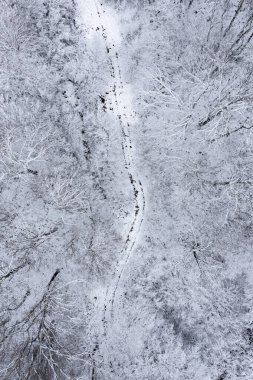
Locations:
(125, 119)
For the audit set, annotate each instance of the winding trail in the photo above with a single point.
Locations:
(118, 102)
(120, 107)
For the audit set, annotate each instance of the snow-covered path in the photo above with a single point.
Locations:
(103, 21)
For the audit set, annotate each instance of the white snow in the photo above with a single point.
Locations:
(102, 25)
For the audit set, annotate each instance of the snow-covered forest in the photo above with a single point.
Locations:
(126, 190)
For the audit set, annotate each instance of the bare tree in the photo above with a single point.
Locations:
(25, 138)
(14, 31)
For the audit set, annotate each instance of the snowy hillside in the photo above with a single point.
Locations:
(126, 190)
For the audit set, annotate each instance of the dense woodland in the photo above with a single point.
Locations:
(183, 307)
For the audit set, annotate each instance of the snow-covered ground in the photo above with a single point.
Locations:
(104, 278)
(102, 24)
